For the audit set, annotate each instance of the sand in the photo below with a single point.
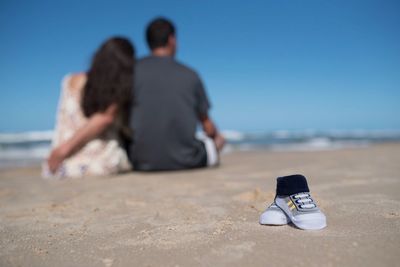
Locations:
(206, 217)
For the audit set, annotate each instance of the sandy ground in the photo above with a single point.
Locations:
(206, 217)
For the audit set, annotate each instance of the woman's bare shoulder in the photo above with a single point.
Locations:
(76, 81)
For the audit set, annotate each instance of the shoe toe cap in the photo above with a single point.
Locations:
(273, 217)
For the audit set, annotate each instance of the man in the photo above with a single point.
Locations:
(169, 102)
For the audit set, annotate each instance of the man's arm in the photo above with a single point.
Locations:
(95, 126)
(202, 107)
(211, 131)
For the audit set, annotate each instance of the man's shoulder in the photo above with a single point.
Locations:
(173, 64)
(186, 69)
(143, 60)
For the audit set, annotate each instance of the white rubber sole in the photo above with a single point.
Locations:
(311, 221)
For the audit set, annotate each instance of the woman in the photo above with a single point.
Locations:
(99, 99)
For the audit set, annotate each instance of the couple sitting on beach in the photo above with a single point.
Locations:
(123, 114)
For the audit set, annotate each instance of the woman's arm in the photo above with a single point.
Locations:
(94, 127)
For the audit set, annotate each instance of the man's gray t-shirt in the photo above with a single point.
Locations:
(168, 99)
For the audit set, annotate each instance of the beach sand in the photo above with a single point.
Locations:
(206, 217)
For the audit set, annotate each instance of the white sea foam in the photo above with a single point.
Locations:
(24, 148)
(319, 144)
(35, 152)
(282, 134)
(34, 136)
(34, 146)
(232, 135)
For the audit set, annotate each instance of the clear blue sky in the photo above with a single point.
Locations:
(270, 64)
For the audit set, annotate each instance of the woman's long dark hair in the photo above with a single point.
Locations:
(110, 81)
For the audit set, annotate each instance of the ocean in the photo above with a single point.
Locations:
(31, 148)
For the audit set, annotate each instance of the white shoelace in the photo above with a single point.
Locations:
(304, 200)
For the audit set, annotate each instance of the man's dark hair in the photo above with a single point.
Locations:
(158, 31)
